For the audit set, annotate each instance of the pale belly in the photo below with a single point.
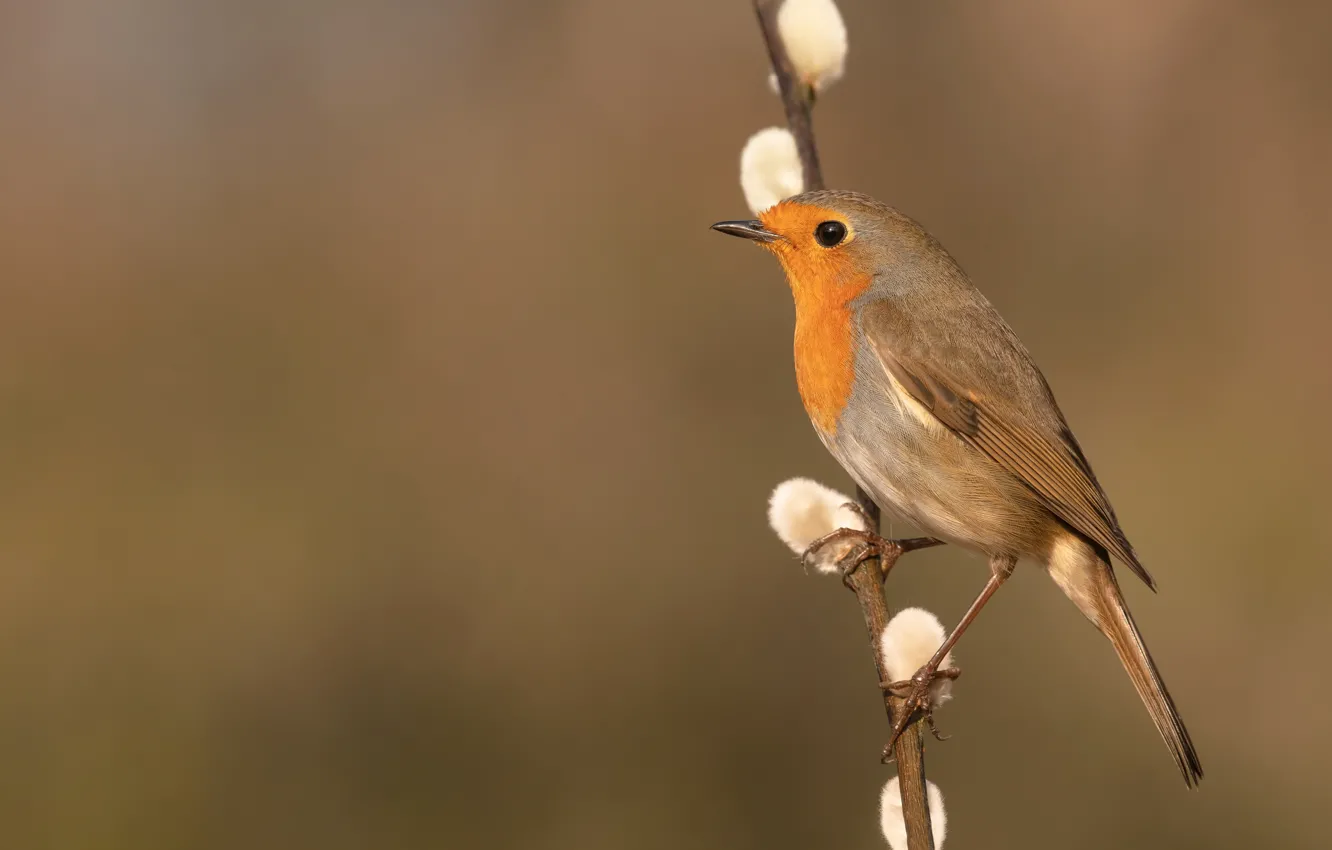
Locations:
(925, 474)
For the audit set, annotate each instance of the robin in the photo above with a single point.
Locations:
(928, 399)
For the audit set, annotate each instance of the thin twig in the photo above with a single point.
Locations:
(796, 96)
(909, 753)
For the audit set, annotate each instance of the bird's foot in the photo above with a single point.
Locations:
(871, 545)
(916, 697)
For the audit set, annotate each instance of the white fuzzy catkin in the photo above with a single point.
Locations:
(894, 825)
(770, 168)
(815, 39)
(909, 640)
(802, 510)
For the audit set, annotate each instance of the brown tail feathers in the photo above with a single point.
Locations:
(1117, 624)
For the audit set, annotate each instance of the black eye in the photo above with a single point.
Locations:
(830, 233)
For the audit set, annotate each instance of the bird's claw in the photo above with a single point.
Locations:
(868, 545)
(915, 694)
(871, 546)
(859, 510)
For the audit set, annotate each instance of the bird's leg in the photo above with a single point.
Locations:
(873, 546)
(917, 697)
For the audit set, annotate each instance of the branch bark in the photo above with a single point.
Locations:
(867, 581)
(909, 751)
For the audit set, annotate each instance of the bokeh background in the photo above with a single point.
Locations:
(385, 439)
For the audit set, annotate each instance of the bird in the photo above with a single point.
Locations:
(928, 399)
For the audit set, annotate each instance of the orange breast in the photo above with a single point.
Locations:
(825, 350)
(823, 282)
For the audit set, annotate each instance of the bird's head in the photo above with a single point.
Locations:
(834, 244)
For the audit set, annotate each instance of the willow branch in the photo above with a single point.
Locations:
(797, 97)
(909, 751)
(867, 581)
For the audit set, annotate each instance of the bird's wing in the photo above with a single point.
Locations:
(995, 399)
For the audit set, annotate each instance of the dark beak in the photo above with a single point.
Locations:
(748, 229)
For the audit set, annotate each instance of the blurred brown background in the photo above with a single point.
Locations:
(385, 439)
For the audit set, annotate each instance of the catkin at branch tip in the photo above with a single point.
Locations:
(815, 40)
